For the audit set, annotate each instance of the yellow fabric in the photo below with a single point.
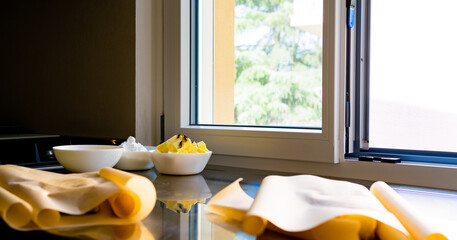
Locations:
(231, 202)
(338, 228)
(367, 225)
(33, 199)
(310, 207)
(393, 202)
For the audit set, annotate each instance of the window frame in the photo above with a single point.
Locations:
(359, 133)
(279, 143)
(414, 174)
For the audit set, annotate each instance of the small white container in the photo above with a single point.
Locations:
(180, 163)
(132, 161)
(87, 158)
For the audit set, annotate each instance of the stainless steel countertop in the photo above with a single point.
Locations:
(164, 223)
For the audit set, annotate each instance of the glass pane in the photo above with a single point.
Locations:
(413, 79)
(260, 63)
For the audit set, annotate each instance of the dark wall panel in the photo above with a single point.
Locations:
(68, 67)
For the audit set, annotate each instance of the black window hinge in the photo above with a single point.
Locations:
(162, 128)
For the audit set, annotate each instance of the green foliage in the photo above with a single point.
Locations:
(278, 79)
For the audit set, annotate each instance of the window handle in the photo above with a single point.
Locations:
(351, 12)
(380, 159)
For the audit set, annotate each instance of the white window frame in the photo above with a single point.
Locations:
(324, 146)
(206, 62)
(415, 174)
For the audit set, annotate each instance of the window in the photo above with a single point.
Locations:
(259, 63)
(211, 48)
(291, 149)
(406, 56)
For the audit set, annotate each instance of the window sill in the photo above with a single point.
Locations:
(437, 176)
(410, 163)
(437, 207)
(261, 129)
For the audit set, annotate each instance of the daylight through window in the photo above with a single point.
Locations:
(259, 63)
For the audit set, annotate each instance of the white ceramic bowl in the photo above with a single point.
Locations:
(180, 163)
(87, 158)
(131, 161)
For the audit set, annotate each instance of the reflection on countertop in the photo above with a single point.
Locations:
(180, 193)
(179, 212)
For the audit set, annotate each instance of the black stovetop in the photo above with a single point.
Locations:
(36, 149)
